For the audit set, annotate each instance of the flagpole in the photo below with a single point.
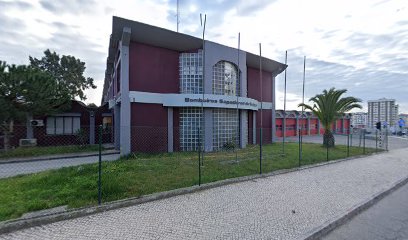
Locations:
(237, 89)
(303, 108)
(260, 130)
(178, 15)
(203, 89)
(284, 106)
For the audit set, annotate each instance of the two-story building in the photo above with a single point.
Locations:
(173, 92)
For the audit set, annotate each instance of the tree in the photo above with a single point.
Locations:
(26, 90)
(92, 105)
(328, 106)
(68, 71)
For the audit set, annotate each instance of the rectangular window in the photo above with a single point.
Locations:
(50, 125)
(63, 125)
(107, 122)
(59, 125)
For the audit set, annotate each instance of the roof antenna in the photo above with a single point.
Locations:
(178, 15)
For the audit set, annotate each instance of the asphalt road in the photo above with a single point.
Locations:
(388, 219)
(394, 142)
(13, 169)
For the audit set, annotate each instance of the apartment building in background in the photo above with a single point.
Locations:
(359, 119)
(382, 110)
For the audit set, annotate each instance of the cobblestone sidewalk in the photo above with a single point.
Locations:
(286, 206)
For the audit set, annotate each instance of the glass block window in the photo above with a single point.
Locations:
(191, 72)
(225, 79)
(225, 128)
(191, 124)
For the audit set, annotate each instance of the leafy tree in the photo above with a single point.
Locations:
(92, 105)
(68, 71)
(26, 90)
(328, 106)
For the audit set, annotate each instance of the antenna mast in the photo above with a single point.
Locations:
(178, 15)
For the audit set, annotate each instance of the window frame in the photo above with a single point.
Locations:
(56, 130)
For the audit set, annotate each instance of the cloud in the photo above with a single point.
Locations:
(246, 8)
(69, 6)
(215, 10)
(15, 4)
(363, 51)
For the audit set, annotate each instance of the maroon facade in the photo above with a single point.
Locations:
(148, 127)
(153, 69)
(263, 94)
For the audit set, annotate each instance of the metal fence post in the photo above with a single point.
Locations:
(260, 151)
(327, 151)
(100, 167)
(348, 145)
(364, 142)
(300, 146)
(376, 141)
(199, 162)
(199, 166)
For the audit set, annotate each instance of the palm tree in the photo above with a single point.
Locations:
(328, 106)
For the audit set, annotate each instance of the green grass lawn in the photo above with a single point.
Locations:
(143, 174)
(41, 151)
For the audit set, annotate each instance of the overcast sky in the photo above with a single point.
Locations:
(360, 45)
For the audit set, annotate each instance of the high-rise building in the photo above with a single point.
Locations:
(359, 119)
(382, 110)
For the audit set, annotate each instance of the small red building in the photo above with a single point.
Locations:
(63, 128)
(307, 123)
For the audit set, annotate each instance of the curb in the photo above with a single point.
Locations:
(327, 227)
(18, 224)
(56, 157)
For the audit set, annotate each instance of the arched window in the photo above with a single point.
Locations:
(225, 79)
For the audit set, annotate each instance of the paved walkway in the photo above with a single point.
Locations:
(286, 206)
(388, 219)
(25, 167)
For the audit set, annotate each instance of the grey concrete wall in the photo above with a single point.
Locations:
(208, 129)
(243, 128)
(214, 53)
(125, 130)
(254, 127)
(170, 130)
(273, 129)
(116, 124)
(92, 127)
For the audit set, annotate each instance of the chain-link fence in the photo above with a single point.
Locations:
(21, 142)
(163, 159)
